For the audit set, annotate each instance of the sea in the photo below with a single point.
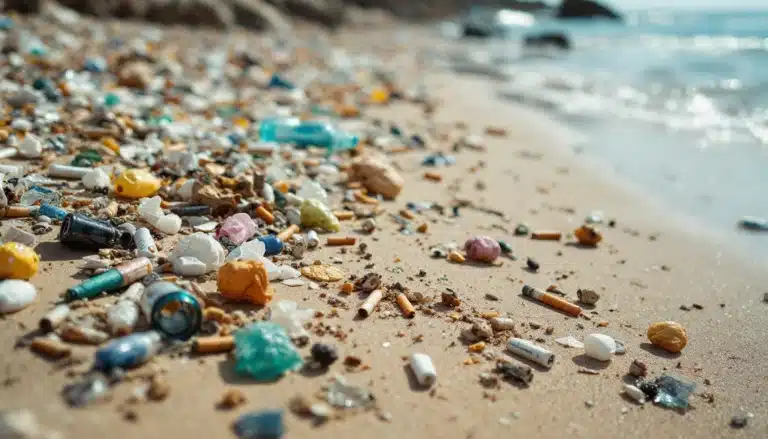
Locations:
(676, 102)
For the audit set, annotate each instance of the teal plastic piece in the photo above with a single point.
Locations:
(674, 391)
(264, 351)
(306, 133)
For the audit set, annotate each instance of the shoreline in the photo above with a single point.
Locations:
(531, 175)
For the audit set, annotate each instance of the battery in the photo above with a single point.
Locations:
(81, 231)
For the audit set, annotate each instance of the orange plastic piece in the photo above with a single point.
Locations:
(264, 214)
(136, 183)
(245, 281)
(347, 288)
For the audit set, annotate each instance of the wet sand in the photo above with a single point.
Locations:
(646, 268)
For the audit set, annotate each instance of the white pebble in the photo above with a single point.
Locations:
(96, 179)
(31, 147)
(169, 224)
(599, 346)
(636, 394)
(16, 295)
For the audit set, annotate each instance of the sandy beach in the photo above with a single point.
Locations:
(648, 266)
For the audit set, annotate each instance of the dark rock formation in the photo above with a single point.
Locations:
(548, 39)
(585, 9)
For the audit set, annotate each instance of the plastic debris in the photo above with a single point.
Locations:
(754, 224)
(341, 394)
(16, 295)
(290, 317)
(670, 336)
(636, 394)
(124, 315)
(423, 369)
(316, 214)
(245, 280)
(324, 354)
(266, 424)
(588, 235)
(197, 246)
(128, 352)
(482, 248)
(53, 318)
(570, 342)
(14, 234)
(272, 245)
(264, 351)
(515, 370)
(599, 346)
(136, 183)
(238, 228)
(17, 261)
(96, 179)
(673, 391)
(306, 133)
(530, 351)
(111, 280)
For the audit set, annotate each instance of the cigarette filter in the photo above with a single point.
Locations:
(530, 351)
(547, 235)
(423, 369)
(406, 306)
(552, 300)
(515, 370)
(370, 303)
(502, 323)
(50, 348)
(53, 318)
(82, 334)
(341, 240)
(289, 231)
(214, 345)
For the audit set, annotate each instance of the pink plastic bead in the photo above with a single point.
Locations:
(238, 228)
(482, 248)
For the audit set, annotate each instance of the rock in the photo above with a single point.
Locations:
(585, 9)
(587, 297)
(557, 40)
(638, 369)
(136, 74)
(670, 336)
(482, 330)
(378, 176)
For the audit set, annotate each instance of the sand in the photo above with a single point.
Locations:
(649, 265)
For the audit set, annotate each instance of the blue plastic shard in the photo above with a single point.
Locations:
(674, 391)
(266, 424)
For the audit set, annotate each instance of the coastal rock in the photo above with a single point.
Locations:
(557, 40)
(585, 9)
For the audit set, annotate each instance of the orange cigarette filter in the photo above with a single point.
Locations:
(17, 212)
(344, 215)
(552, 300)
(341, 240)
(289, 231)
(547, 235)
(50, 348)
(434, 176)
(365, 199)
(407, 214)
(264, 214)
(406, 306)
(214, 345)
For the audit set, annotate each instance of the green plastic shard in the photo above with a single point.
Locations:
(264, 351)
(316, 214)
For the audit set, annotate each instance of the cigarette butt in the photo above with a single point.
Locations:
(405, 213)
(344, 215)
(370, 303)
(311, 162)
(423, 228)
(516, 370)
(354, 185)
(530, 351)
(347, 288)
(341, 240)
(282, 186)
(17, 211)
(264, 214)
(457, 257)
(365, 199)
(424, 369)
(399, 149)
(561, 304)
(547, 235)
(54, 318)
(434, 176)
(50, 348)
(217, 314)
(214, 345)
(406, 306)
(289, 231)
(502, 324)
(81, 334)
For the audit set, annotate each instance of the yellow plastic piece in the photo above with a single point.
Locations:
(245, 281)
(17, 261)
(111, 143)
(379, 96)
(136, 183)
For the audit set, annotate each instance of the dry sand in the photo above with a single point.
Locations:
(531, 175)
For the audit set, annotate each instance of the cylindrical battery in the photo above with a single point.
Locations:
(174, 312)
(66, 171)
(423, 369)
(193, 210)
(272, 245)
(515, 370)
(370, 303)
(118, 277)
(145, 243)
(530, 351)
(53, 318)
(80, 231)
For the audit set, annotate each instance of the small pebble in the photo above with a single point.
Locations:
(532, 264)
(490, 296)
(741, 419)
(588, 297)
(324, 354)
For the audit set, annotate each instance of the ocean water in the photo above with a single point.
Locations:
(677, 102)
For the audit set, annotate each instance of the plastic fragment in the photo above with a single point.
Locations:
(14, 234)
(136, 183)
(265, 424)
(199, 246)
(16, 295)
(17, 261)
(127, 352)
(599, 346)
(673, 391)
(290, 317)
(173, 312)
(324, 354)
(238, 228)
(340, 394)
(570, 342)
(636, 394)
(423, 369)
(245, 280)
(316, 214)
(264, 351)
